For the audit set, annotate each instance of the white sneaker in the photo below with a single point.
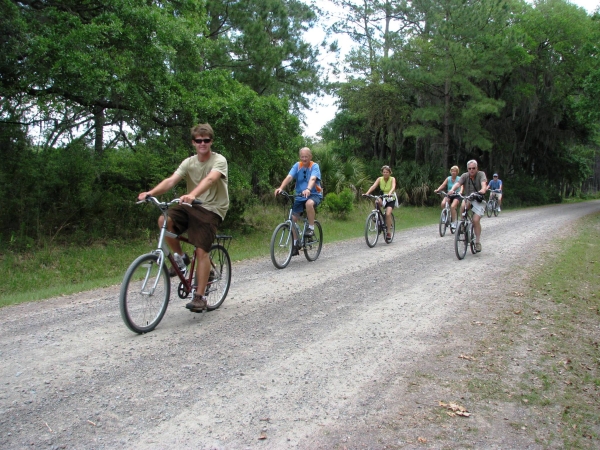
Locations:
(499, 209)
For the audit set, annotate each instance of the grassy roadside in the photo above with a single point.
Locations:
(56, 271)
(529, 371)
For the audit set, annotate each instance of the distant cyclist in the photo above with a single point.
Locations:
(452, 197)
(387, 186)
(473, 181)
(309, 193)
(496, 184)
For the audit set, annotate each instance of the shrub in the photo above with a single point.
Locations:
(339, 204)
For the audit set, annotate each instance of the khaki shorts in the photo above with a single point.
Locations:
(200, 224)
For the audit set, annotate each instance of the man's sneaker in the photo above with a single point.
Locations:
(295, 251)
(309, 233)
(198, 304)
(499, 209)
(186, 261)
(453, 225)
(478, 247)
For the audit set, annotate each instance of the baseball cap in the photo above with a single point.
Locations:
(495, 175)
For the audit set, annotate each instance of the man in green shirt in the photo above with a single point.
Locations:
(206, 179)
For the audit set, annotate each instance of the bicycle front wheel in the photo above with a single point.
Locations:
(391, 231)
(220, 277)
(371, 230)
(460, 240)
(472, 238)
(281, 245)
(144, 294)
(489, 207)
(313, 244)
(443, 220)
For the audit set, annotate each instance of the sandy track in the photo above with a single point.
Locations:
(307, 356)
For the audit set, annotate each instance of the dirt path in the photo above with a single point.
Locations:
(319, 355)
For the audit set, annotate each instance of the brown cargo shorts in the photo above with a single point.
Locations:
(200, 224)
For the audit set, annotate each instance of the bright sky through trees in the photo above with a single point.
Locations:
(324, 109)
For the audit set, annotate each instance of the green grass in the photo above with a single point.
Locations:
(55, 271)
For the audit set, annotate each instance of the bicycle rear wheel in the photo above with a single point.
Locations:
(281, 245)
(371, 230)
(144, 295)
(391, 231)
(460, 240)
(313, 244)
(220, 277)
(443, 222)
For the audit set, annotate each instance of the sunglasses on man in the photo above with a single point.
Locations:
(202, 141)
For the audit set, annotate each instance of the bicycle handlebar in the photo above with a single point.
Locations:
(164, 205)
(471, 196)
(378, 196)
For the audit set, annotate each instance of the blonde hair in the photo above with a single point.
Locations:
(454, 168)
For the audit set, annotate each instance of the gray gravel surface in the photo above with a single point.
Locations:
(318, 355)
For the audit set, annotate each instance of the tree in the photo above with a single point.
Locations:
(262, 44)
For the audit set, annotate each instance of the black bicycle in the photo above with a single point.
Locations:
(465, 233)
(282, 241)
(376, 225)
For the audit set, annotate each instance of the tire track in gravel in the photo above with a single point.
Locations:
(310, 348)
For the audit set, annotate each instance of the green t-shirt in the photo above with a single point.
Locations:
(216, 198)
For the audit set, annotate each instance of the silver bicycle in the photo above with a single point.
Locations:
(282, 241)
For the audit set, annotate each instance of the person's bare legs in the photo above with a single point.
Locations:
(202, 270)
(174, 244)
(388, 219)
(310, 212)
(477, 227)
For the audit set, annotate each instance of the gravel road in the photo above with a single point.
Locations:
(318, 355)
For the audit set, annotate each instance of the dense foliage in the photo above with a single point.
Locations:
(97, 99)
(433, 84)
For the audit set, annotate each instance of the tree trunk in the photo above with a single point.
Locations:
(99, 129)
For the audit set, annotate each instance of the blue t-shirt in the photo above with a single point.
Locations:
(452, 183)
(495, 184)
(302, 176)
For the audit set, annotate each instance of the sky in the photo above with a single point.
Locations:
(323, 109)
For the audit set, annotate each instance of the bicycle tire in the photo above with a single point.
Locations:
(220, 277)
(142, 308)
(488, 208)
(312, 247)
(392, 231)
(472, 242)
(282, 242)
(443, 222)
(460, 240)
(372, 229)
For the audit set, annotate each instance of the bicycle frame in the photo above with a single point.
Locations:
(465, 227)
(380, 222)
(294, 225)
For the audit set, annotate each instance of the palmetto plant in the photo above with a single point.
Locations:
(337, 174)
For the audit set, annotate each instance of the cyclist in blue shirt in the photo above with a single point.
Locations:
(496, 184)
(309, 193)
